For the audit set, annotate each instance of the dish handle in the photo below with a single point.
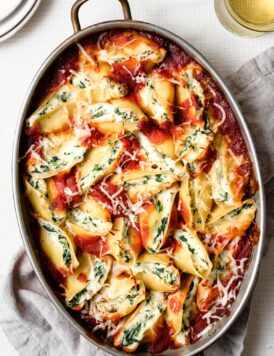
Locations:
(76, 7)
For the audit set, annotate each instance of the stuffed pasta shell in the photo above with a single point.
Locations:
(124, 242)
(121, 48)
(155, 219)
(115, 116)
(189, 254)
(99, 162)
(89, 277)
(58, 246)
(57, 153)
(89, 219)
(228, 182)
(195, 201)
(233, 223)
(118, 299)
(140, 322)
(156, 97)
(37, 193)
(157, 272)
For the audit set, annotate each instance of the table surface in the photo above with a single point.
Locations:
(195, 21)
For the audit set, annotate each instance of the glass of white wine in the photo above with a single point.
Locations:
(247, 18)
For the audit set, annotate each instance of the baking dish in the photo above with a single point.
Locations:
(22, 214)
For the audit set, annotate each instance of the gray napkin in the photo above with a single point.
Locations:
(32, 323)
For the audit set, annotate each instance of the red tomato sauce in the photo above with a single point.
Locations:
(161, 342)
(244, 169)
(56, 275)
(126, 72)
(175, 304)
(93, 138)
(175, 60)
(212, 294)
(100, 196)
(207, 162)
(243, 249)
(32, 137)
(198, 325)
(183, 210)
(64, 200)
(155, 134)
(130, 159)
(92, 244)
(130, 143)
(82, 277)
(230, 128)
(57, 75)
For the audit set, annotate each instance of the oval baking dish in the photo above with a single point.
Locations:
(18, 189)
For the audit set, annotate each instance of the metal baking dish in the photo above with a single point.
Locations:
(19, 201)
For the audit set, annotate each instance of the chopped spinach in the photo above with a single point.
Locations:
(97, 168)
(159, 178)
(67, 258)
(237, 211)
(161, 228)
(134, 293)
(159, 271)
(81, 84)
(99, 270)
(79, 298)
(184, 239)
(159, 206)
(99, 113)
(63, 96)
(131, 335)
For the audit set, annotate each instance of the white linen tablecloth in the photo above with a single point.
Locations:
(21, 56)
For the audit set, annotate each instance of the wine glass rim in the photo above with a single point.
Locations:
(263, 27)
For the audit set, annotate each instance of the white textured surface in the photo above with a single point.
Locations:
(22, 55)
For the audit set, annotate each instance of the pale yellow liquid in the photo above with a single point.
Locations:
(254, 14)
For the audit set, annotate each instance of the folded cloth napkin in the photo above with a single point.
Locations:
(32, 323)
